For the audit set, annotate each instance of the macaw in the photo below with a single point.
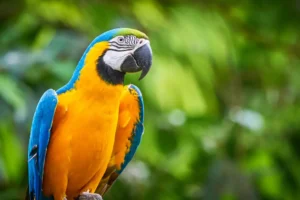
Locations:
(84, 134)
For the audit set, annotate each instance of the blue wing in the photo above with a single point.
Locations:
(38, 142)
(112, 173)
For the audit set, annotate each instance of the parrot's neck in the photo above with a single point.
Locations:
(92, 82)
(92, 74)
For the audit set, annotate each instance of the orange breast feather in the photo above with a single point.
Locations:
(128, 116)
(83, 133)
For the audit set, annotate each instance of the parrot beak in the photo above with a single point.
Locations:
(141, 60)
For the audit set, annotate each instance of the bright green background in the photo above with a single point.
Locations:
(222, 98)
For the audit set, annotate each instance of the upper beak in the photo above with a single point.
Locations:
(140, 60)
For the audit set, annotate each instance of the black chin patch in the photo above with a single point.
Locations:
(108, 74)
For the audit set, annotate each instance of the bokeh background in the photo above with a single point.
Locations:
(222, 98)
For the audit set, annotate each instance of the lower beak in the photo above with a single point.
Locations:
(141, 60)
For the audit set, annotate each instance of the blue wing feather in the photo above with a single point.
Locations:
(137, 132)
(38, 142)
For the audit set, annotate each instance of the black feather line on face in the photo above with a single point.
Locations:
(121, 45)
(108, 74)
(119, 49)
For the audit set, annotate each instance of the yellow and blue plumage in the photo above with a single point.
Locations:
(84, 134)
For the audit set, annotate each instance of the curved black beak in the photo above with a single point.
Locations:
(140, 60)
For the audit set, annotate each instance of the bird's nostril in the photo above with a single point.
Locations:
(141, 41)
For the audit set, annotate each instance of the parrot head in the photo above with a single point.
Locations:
(126, 51)
(129, 51)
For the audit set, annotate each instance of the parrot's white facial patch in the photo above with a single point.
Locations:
(121, 47)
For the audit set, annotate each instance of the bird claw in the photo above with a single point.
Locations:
(90, 196)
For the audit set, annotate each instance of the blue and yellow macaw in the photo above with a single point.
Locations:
(84, 134)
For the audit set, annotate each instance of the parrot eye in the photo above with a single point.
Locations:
(121, 39)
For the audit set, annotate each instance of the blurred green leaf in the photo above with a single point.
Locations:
(222, 105)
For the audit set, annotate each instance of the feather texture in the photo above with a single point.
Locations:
(128, 136)
(38, 142)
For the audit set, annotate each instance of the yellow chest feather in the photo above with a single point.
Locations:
(83, 134)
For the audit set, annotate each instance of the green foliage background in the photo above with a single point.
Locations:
(222, 97)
